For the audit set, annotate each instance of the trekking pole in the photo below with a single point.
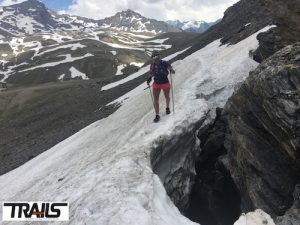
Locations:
(172, 92)
(151, 95)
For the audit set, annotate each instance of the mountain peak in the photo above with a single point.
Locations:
(129, 13)
(129, 20)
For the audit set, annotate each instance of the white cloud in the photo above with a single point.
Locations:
(207, 10)
(10, 2)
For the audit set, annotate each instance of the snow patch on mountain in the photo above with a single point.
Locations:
(137, 64)
(73, 47)
(121, 46)
(119, 69)
(68, 58)
(57, 37)
(28, 24)
(76, 73)
(61, 77)
(159, 41)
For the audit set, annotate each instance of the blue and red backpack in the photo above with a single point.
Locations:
(160, 72)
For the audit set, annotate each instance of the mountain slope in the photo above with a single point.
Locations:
(44, 58)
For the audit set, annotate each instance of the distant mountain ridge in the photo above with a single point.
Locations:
(192, 25)
(32, 16)
(134, 22)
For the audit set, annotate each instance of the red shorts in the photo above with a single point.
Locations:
(161, 86)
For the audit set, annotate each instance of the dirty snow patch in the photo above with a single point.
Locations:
(120, 68)
(76, 73)
(137, 64)
(61, 77)
(73, 47)
(159, 41)
(68, 58)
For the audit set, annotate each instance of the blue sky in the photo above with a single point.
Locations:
(58, 5)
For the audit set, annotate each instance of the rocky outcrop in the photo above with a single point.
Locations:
(292, 216)
(264, 133)
(254, 145)
(286, 32)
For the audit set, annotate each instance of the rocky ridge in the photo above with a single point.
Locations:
(251, 150)
(134, 22)
(263, 136)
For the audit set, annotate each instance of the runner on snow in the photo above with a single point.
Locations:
(159, 70)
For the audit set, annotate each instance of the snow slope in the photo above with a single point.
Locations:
(104, 170)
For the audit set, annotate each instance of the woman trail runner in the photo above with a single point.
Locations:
(159, 70)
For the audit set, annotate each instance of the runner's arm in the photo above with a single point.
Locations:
(150, 75)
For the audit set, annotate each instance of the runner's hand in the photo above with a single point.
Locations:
(149, 80)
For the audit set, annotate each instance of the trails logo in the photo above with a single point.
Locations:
(35, 211)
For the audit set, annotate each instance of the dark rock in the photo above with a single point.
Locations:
(286, 18)
(251, 12)
(292, 216)
(263, 135)
(214, 198)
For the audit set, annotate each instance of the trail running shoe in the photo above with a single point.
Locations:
(156, 119)
(168, 111)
